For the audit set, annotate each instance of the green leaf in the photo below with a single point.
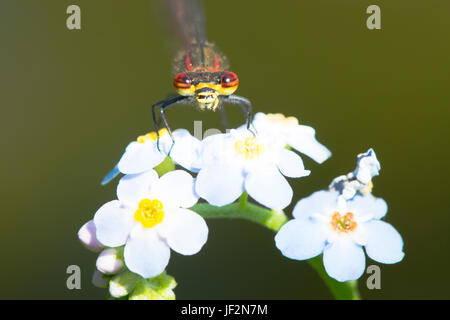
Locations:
(157, 288)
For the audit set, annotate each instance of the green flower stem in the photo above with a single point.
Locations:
(274, 219)
(271, 219)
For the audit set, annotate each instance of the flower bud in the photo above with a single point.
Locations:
(99, 279)
(110, 261)
(123, 283)
(86, 234)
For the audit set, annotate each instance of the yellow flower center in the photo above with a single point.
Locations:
(249, 149)
(343, 223)
(281, 119)
(149, 213)
(153, 136)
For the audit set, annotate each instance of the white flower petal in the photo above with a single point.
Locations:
(185, 151)
(300, 239)
(185, 231)
(217, 149)
(291, 165)
(146, 253)
(368, 205)
(177, 188)
(260, 118)
(383, 243)
(134, 187)
(140, 157)
(320, 202)
(113, 223)
(344, 260)
(87, 236)
(220, 184)
(302, 138)
(268, 187)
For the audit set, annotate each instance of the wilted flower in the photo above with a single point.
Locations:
(360, 180)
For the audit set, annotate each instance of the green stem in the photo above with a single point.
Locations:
(271, 219)
(274, 219)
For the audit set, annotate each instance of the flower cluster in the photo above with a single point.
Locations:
(156, 210)
(239, 161)
(152, 215)
(341, 221)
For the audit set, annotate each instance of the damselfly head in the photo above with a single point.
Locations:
(206, 86)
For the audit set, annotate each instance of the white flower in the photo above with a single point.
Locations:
(236, 161)
(288, 131)
(143, 154)
(150, 218)
(87, 236)
(325, 222)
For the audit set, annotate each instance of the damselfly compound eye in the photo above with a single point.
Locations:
(182, 81)
(229, 79)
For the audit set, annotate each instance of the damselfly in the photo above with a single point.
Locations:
(202, 75)
(201, 71)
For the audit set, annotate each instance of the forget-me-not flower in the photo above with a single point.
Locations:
(236, 161)
(146, 152)
(288, 131)
(151, 217)
(327, 223)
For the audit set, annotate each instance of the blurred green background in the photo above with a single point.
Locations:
(72, 100)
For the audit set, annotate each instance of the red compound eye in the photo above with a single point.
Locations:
(182, 81)
(229, 79)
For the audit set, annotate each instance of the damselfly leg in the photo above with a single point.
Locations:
(246, 107)
(164, 104)
(224, 119)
